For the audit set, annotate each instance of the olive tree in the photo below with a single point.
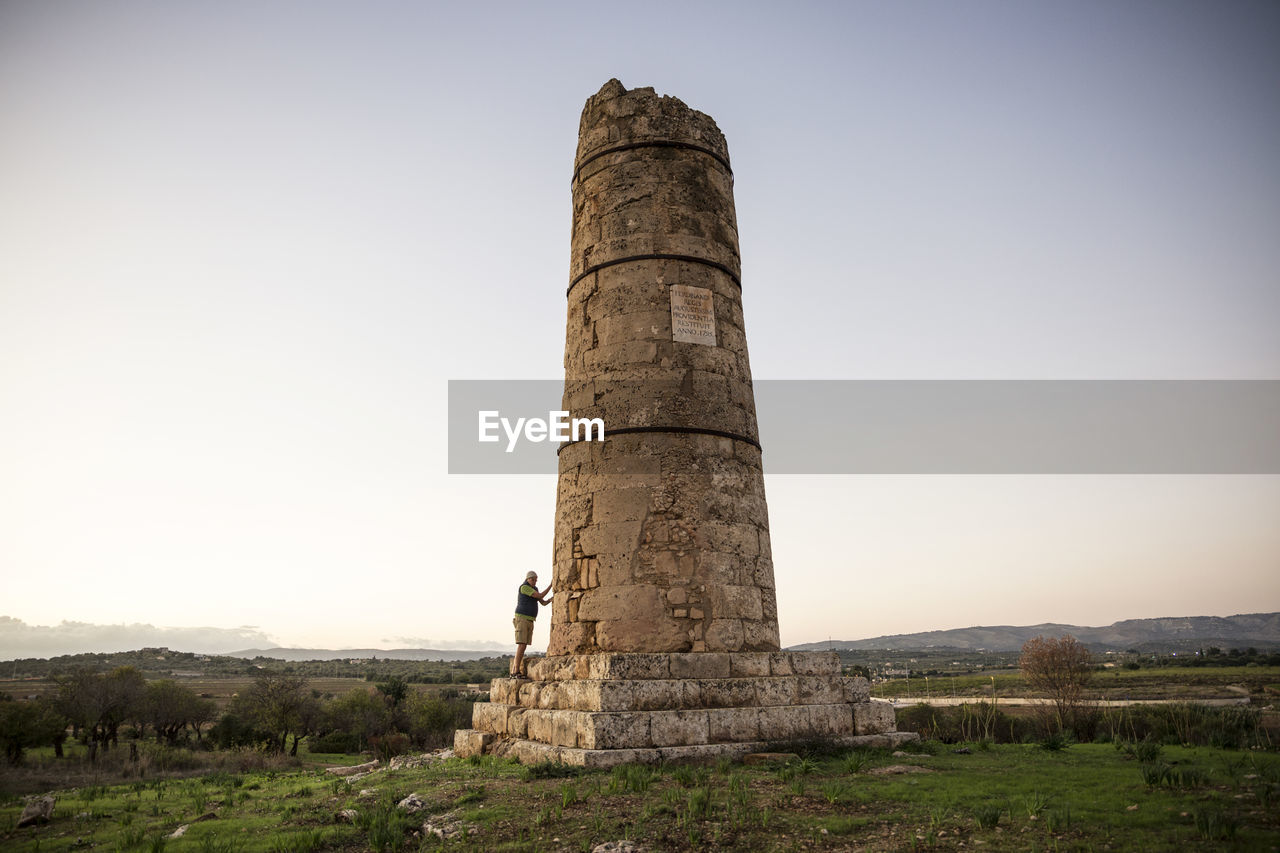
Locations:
(99, 703)
(170, 708)
(279, 704)
(25, 724)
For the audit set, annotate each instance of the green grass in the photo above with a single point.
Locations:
(1006, 797)
(1118, 683)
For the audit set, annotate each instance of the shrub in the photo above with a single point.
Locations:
(631, 777)
(1058, 820)
(687, 777)
(922, 718)
(1188, 777)
(988, 815)
(1215, 825)
(700, 802)
(855, 762)
(835, 790)
(334, 742)
(1054, 742)
(389, 745)
(1189, 723)
(235, 731)
(358, 713)
(966, 723)
(1145, 750)
(1155, 774)
(430, 720)
(386, 826)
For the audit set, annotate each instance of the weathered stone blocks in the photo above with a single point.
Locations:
(617, 703)
(647, 216)
(471, 742)
(727, 725)
(620, 603)
(531, 752)
(489, 717)
(874, 717)
(705, 665)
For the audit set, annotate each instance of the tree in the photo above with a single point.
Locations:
(120, 699)
(395, 689)
(430, 720)
(360, 714)
(1060, 668)
(169, 708)
(277, 704)
(100, 703)
(27, 724)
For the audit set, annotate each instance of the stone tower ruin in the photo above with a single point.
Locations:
(662, 536)
(664, 626)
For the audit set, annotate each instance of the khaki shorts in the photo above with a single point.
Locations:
(524, 630)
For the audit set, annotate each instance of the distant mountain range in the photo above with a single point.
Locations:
(364, 654)
(1169, 634)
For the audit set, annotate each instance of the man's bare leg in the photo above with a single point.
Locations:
(515, 666)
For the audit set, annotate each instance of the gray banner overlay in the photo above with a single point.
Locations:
(933, 427)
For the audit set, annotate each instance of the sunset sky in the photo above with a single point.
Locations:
(244, 246)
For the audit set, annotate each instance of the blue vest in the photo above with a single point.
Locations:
(526, 605)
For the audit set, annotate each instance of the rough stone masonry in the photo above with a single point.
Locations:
(664, 627)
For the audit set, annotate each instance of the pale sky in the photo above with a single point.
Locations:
(243, 247)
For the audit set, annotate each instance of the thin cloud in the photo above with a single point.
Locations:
(20, 640)
(428, 643)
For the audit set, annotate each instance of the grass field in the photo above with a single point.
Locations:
(997, 797)
(1171, 683)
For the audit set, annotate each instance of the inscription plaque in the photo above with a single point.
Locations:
(693, 319)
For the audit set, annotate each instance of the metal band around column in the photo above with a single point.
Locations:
(718, 433)
(655, 143)
(658, 256)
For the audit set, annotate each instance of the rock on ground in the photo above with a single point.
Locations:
(352, 770)
(37, 811)
(400, 762)
(894, 769)
(447, 826)
(412, 804)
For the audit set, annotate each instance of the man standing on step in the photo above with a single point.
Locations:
(527, 603)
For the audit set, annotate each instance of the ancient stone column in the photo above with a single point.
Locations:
(662, 535)
(664, 635)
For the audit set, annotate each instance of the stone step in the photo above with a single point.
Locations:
(648, 729)
(468, 742)
(641, 666)
(659, 694)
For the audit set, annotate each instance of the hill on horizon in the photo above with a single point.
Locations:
(1165, 634)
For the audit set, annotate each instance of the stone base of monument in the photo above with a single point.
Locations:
(604, 709)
